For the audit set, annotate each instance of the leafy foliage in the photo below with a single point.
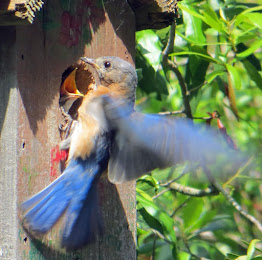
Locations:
(218, 52)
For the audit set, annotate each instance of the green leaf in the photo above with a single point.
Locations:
(193, 42)
(231, 256)
(211, 76)
(253, 9)
(233, 82)
(212, 20)
(163, 33)
(196, 70)
(209, 16)
(150, 81)
(184, 7)
(204, 221)
(251, 58)
(192, 212)
(243, 257)
(232, 12)
(151, 221)
(254, 75)
(174, 252)
(148, 44)
(150, 180)
(234, 75)
(255, 45)
(252, 248)
(204, 56)
(144, 194)
(193, 26)
(155, 212)
(140, 231)
(139, 73)
(252, 18)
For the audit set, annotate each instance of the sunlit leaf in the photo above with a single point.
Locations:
(222, 14)
(211, 76)
(252, 18)
(193, 26)
(193, 42)
(233, 81)
(144, 194)
(149, 179)
(243, 257)
(184, 7)
(192, 212)
(211, 19)
(234, 75)
(252, 248)
(204, 56)
(255, 45)
(253, 9)
(148, 44)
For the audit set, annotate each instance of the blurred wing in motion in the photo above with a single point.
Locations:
(145, 142)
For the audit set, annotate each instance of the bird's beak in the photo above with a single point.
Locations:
(69, 87)
(90, 62)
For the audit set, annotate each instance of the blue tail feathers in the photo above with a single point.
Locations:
(74, 194)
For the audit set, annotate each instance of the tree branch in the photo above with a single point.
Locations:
(170, 65)
(211, 191)
(251, 218)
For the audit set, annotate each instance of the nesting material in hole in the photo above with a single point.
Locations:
(77, 81)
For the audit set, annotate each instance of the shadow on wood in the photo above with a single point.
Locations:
(111, 245)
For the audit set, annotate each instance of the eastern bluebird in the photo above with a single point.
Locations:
(109, 135)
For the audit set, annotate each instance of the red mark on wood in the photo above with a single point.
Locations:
(56, 157)
(80, 21)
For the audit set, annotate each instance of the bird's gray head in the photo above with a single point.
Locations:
(116, 74)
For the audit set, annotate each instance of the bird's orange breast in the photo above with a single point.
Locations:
(91, 124)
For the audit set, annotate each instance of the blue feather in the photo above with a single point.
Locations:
(73, 194)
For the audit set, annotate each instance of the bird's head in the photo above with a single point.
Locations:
(116, 74)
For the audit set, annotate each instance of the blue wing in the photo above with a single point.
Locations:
(145, 142)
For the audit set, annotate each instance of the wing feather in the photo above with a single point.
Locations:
(143, 143)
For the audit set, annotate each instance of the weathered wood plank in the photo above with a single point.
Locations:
(59, 36)
(8, 143)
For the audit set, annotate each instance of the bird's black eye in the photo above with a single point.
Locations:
(107, 64)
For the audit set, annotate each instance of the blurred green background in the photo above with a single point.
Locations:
(217, 51)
